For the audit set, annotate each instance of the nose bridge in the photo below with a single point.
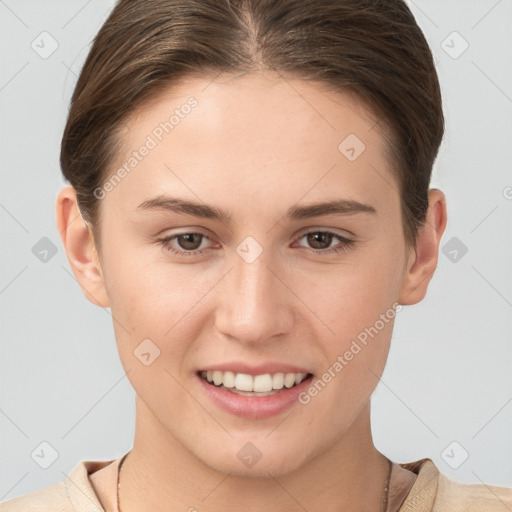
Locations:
(254, 306)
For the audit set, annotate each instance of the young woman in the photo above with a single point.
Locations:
(249, 195)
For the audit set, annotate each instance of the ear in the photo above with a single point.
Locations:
(422, 261)
(80, 248)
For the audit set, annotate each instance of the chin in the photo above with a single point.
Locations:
(246, 460)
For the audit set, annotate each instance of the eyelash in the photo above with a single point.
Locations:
(345, 246)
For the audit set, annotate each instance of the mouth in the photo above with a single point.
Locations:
(266, 384)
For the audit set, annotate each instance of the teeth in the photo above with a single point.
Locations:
(262, 382)
(217, 378)
(278, 381)
(259, 383)
(289, 380)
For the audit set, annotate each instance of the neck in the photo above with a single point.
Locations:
(160, 474)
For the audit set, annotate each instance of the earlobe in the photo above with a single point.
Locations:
(80, 248)
(422, 261)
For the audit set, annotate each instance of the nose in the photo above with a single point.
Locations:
(254, 303)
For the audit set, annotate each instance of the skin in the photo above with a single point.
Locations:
(239, 151)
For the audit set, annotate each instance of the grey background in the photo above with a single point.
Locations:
(448, 375)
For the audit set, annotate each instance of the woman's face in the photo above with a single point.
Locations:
(262, 287)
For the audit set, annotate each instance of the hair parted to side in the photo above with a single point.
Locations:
(373, 48)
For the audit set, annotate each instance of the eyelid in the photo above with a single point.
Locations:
(345, 233)
(176, 231)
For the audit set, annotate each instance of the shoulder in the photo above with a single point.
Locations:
(74, 493)
(52, 498)
(457, 496)
(434, 492)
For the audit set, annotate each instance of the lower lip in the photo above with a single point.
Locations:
(254, 407)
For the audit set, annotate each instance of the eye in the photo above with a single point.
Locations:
(321, 241)
(188, 243)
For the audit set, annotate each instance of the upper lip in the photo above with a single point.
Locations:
(260, 369)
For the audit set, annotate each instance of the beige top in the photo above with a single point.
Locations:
(429, 491)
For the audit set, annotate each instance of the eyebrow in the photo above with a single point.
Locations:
(179, 205)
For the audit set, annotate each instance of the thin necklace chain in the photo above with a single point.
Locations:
(385, 496)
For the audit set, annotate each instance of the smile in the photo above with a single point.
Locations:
(253, 385)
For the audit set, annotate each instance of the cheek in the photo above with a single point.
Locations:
(352, 297)
(357, 306)
(152, 299)
(153, 318)
(359, 309)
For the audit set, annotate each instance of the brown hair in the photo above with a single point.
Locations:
(372, 48)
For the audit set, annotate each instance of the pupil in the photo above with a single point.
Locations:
(313, 239)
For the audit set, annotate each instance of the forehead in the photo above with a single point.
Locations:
(267, 136)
